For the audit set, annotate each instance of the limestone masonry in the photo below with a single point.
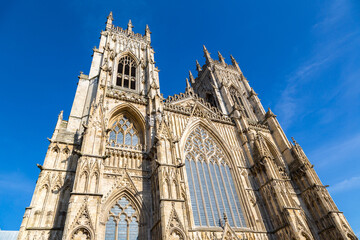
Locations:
(209, 163)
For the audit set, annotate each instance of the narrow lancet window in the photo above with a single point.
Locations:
(211, 185)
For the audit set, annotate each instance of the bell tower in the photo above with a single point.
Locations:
(95, 182)
(225, 87)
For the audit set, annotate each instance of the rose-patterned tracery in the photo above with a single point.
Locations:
(212, 189)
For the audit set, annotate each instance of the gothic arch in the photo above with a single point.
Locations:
(131, 196)
(134, 210)
(79, 228)
(273, 149)
(130, 54)
(132, 111)
(176, 233)
(209, 173)
(211, 129)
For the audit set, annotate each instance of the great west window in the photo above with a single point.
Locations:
(212, 189)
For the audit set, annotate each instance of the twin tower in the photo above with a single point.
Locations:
(209, 163)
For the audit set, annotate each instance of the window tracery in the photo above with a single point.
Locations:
(123, 223)
(236, 97)
(81, 234)
(211, 186)
(126, 76)
(123, 134)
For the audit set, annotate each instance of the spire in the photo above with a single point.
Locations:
(109, 20)
(129, 26)
(198, 67)
(192, 79)
(235, 64)
(221, 58)
(147, 33)
(207, 55)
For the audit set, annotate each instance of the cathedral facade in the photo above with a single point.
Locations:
(209, 163)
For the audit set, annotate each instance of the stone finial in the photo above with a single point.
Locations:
(109, 20)
(221, 58)
(207, 55)
(292, 138)
(198, 67)
(147, 33)
(192, 79)
(129, 26)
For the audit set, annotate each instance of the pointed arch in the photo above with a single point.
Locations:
(212, 188)
(83, 182)
(132, 196)
(127, 71)
(130, 54)
(272, 147)
(132, 111)
(211, 129)
(84, 231)
(124, 206)
(94, 182)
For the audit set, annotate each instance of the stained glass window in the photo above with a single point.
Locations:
(123, 134)
(122, 223)
(211, 185)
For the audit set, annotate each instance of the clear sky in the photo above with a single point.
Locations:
(301, 57)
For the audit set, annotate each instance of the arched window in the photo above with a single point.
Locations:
(212, 189)
(126, 76)
(235, 95)
(124, 134)
(123, 223)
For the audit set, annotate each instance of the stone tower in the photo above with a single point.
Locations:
(209, 163)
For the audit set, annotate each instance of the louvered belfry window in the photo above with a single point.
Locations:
(122, 222)
(212, 189)
(126, 76)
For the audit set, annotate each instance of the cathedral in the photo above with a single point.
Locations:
(206, 164)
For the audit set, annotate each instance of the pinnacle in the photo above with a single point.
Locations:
(198, 67)
(191, 77)
(204, 48)
(207, 55)
(187, 83)
(220, 56)
(130, 26)
(147, 29)
(110, 17)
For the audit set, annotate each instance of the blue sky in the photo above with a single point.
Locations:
(301, 57)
